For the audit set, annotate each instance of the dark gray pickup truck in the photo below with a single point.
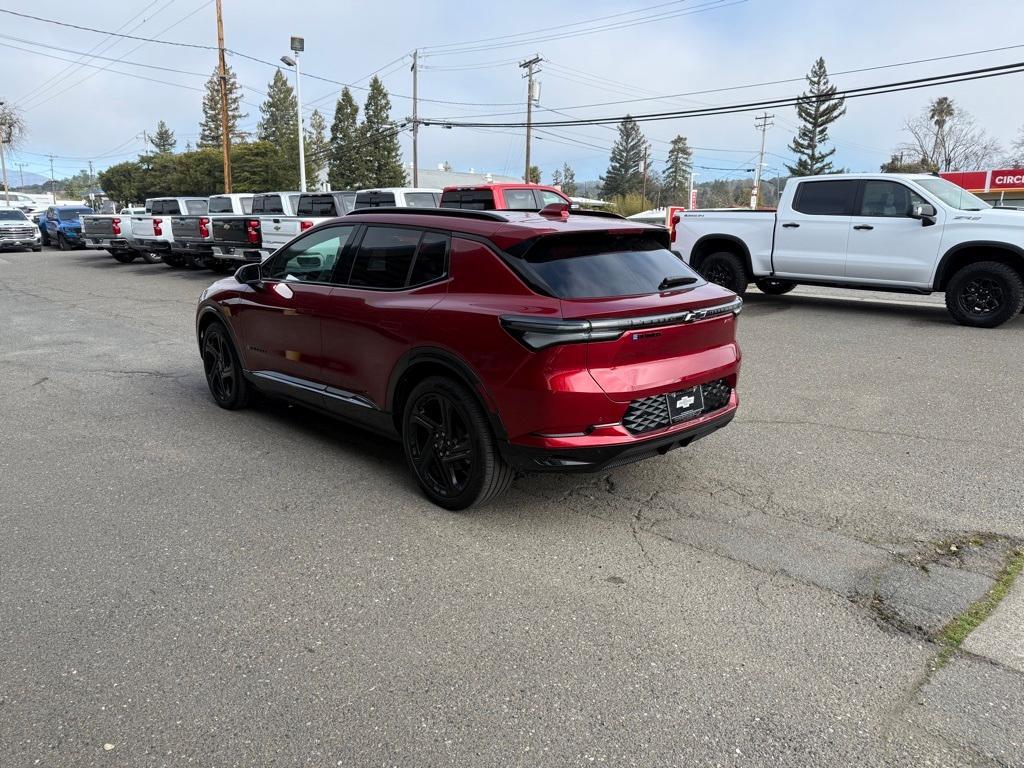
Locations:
(194, 234)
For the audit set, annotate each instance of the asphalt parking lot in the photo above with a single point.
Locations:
(180, 585)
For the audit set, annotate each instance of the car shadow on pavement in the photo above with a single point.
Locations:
(932, 314)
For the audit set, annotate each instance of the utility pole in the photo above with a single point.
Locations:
(762, 124)
(92, 197)
(53, 183)
(225, 137)
(530, 72)
(415, 121)
(21, 172)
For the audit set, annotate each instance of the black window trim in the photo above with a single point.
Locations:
(854, 202)
(357, 244)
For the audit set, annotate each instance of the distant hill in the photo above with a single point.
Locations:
(14, 178)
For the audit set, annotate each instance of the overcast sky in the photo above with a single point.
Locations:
(77, 112)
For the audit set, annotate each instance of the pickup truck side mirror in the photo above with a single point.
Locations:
(925, 212)
(249, 274)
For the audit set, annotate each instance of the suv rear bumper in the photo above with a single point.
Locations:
(598, 458)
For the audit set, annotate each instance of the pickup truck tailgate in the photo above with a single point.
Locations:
(188, 228)
(95, 226)
(278, 230)
(237, 231)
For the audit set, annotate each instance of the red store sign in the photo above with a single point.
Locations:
(1009, 179)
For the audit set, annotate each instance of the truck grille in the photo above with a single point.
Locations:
(650, 413)
(18, 233)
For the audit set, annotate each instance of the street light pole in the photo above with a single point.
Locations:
(298, 45)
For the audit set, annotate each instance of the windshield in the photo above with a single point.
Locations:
(70, 214)
(12, 215)
(952, 195)
(599, 264)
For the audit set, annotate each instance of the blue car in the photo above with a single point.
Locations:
(61, 226)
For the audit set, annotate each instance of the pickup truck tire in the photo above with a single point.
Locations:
(223, 369)
(62, 242)
(173, 260)
(46, 238)
(985, 294)
(124, 257)
(774, 287)
(151, 258)
(725, 269)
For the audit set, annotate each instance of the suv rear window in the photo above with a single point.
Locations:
(602, 264)
(469, 199)
(375, 200)
(826, 198)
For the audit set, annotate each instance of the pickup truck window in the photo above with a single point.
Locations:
(469, 199)
(826, 198)
(196, 206)
(375, 200)
(12, 214)
(598, 265)
(520, 200)
(317, 205)
(952, 195)
(267, 204)
(70, 214)
(223, 205)
(887, 198)
(420, 200)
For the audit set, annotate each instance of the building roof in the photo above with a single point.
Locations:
(433, 177)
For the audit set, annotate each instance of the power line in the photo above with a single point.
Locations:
(849, 93)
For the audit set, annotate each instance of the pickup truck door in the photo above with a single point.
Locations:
(886, 246)
(812, 233)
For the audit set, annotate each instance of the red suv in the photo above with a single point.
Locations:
(488, 342)
(502, 197)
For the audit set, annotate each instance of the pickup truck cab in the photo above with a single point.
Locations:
(61, 225)
(111, 232)
(241, 238)
(910, 233)
(398, 197)
(192, 234)
(502, 197)
(151, 231)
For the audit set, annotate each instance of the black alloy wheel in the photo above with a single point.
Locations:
(985, 294)
(725, 269)
(450, 447)
(223, 371)
(440, 445)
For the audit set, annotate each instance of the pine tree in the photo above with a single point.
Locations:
(817, 109)
(278, 127)
(556, 178)
(625, 166)
(568, 180)
(378, 141)
(534, 175)
(345, 168)
(317, 149)
(163, 140)
(209, 126)
(678, 170)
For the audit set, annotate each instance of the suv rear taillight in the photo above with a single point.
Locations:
(304, 225)
(157, 227)
(252, 231)
(204, 227)
(115, 226)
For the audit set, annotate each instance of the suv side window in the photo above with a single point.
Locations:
(384, 257)
(520, 200)
(430, 259)
(887, 198)
(311, 259)
(826, 198)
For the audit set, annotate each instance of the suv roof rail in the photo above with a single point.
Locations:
(455, 212)
(600, 214)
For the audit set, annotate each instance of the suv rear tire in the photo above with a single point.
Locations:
(725, 269)
(985, 294)
(223, 369)
(773, 287)
(449, 445)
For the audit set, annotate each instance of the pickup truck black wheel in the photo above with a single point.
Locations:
(774, 287)
(151, 258)
(45, 238)
(223, 369)
(725, 269)
(173, 260)
(450, 447)
(985, 294)
(221, 266)
(36, 248)
(62, 242)
(125, 257)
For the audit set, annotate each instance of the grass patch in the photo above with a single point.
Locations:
(954, 633)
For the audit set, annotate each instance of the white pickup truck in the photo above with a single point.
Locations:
(910, 233)
(192, 233)
(112, 232)
(151, 231)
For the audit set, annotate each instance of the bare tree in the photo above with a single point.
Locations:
(1016, 158)
(12, 133)
(946, 137)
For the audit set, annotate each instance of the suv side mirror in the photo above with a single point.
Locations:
(249, 274)
(925, 212)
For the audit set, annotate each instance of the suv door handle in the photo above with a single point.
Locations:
(790, 225)
(863, 226)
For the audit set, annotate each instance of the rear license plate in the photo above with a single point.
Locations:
(685, 405)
